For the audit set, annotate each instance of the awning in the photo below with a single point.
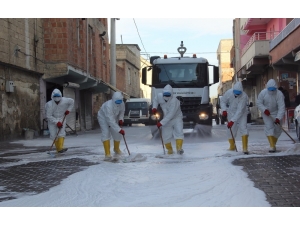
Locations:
(84, 81)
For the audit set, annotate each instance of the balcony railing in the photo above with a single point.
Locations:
(285, 32)
(259, 36)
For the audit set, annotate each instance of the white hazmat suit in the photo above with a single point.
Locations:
(109, 116)
(271, 101)
(236, 107)
(56, 110)
(172, 123)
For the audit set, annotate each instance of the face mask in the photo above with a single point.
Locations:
(166, 98)
(57, 99)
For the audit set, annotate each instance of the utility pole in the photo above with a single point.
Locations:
(113, 52)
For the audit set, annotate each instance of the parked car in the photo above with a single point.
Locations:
(297, 121)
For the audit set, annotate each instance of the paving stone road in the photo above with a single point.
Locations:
(277, 176)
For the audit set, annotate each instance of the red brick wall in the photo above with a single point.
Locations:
(62, 45)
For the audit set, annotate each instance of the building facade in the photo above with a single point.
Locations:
(128, 58)
(225, 69)
(38, 55)
(259, 55)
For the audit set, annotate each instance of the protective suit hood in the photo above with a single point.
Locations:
(56, 95)
(271, 83)
(169, 89)
(117, 96)
(55, 91)
(238, 86)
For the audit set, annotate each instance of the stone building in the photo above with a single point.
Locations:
(128, 57)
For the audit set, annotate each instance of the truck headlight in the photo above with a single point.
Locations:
(155, 116)
(203, 116)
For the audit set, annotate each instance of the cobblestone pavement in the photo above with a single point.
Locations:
(34, 177)
(277, 176)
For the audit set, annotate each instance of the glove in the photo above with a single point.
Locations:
(158, 124)
(230, 124)
(154, 110)
(120, 122)
(67, 112)
(122, 132)
(224, 114)
(267, 112)
(59, 125)
(277, 121)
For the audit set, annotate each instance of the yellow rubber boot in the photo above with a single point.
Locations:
(245, 144)
(272, 143)
(117, 147)
(275, 140)
(106, 145)
(169, 148)
(179, 143)
(231, 145)
(59, 144)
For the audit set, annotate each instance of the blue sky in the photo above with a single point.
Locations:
(159, 36)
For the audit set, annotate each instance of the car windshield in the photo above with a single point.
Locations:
(136, 105)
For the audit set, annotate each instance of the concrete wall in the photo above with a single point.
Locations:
(22, 62)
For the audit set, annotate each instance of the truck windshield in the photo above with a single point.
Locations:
(183, 75)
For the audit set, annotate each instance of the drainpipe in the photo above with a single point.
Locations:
(87, 47)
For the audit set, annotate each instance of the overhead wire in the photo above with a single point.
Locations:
(141, 41)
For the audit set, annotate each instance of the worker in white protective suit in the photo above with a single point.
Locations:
(111, 118)
(56, 111)
(234, 109)
(172, 123)
(270, 102)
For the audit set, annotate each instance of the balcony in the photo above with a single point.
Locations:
(285, 48)
(285, 32)
(259, 36)
(255, 54)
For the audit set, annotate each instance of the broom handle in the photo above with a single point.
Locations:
(284, 130)
(162, 142)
